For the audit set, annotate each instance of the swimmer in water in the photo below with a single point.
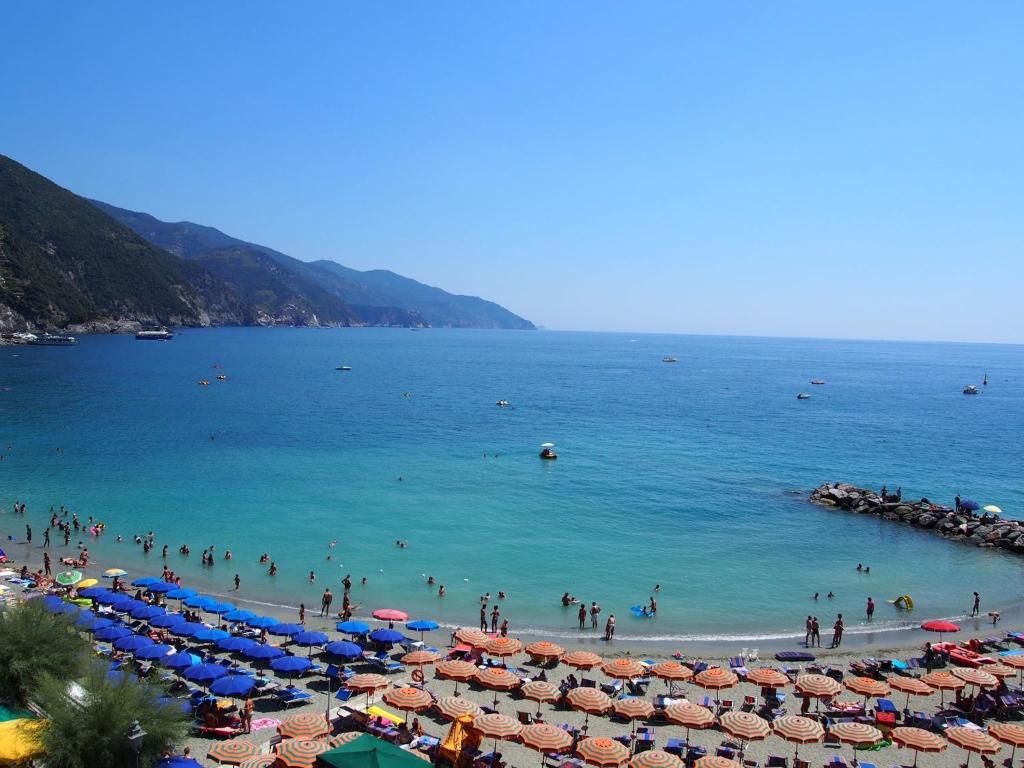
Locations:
(273, 569)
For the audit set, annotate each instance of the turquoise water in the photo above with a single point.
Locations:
(690, 475)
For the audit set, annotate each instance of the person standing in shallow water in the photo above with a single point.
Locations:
(609, 627)
(977, 605)
(871, 608)
(483, 617)
(837, 631)
(583, 616)
(325, 603)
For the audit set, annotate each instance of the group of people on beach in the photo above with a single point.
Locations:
(812, 632)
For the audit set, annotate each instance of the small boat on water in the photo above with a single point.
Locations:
(970, 389)
(817, 382)
(343, 368)
(669, 359)
(502, 403)
(161, 334)
(23, 337)
(803, 396)
(547, 451)
(203, 382)
(54, 340)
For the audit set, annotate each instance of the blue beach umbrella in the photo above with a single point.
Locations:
(235, 643)
(177, 762)
(387, 636)
(353, 627)
(238, 615)
(343, 649)
(179, 660)
(210, 635)
(66, 609)
(132, 643)
(167, 620)
(219, 608)
(263, 652)
(115, 632)
(310, 638)
(205, 673)
(109, 598)
(198, 601)
(970, 506)
(291, 665)
(162, 586)
(181, 705)
(261, 622)
(129, 605)
(422, 626)
(145, 581)
(285, 630)
(91, 622)
(154, 651)
(52, 601)
(180, 593)
(93, 592)
(148, 611)
(238, 686)
(187, 628)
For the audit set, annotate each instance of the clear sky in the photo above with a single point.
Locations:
(781, 168)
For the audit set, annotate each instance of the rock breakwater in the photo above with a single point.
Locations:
(963, 526)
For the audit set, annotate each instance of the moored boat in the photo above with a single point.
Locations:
(54, 340)
(970, 389)
(161, 334)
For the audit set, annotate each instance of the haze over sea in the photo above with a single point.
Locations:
(693, 475)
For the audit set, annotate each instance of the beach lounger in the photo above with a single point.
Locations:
(613, 689)
(676, 747)
(794, 656)
(385, 665)
(289, 696)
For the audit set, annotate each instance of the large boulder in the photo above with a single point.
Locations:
(925, 521)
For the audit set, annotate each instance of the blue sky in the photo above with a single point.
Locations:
(808, 169)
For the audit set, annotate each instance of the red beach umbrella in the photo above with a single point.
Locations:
(942, 627)
(390, 614)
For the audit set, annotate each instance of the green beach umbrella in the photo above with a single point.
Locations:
(69, 578)
(368, 751)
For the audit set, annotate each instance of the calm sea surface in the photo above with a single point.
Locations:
(692, 475)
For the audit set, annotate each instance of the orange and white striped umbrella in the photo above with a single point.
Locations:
(798, 730)
(454, 707)
(1008, 733)
(543, 649)
(497, 679)
(689, 716)
(602, 752)
(408, 699)
(975, 677)
(581, 659)
(716, 761)
(972, 740)
(672, 670)
(457, 670)
(655, 758)
(866, 686)
(232, 752)
(745, 726)
(545, 738)
(589, 700)
(495, 726)
(943, 681)
(305, 726)
(1017, 662)
(540, 690)
(299, 753)
(910, 685)
(503, 647)
(856, 733)
(473, 637)
(260, 761)
(1000, 670)
(366, 683)
(623, 669)
(420, 658)
(343, 738)
(766, 677)
(633, 708)
(716, 679)
(817, 686)
(918, 740)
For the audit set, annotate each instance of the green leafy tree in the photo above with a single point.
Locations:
(89, 722)
(34, 644)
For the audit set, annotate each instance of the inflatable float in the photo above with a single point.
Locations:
(640, 612)
(903, 601)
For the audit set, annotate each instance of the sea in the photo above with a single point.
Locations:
(692, 475)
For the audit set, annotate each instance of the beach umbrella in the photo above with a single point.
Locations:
(856, 733)
(114, 573)
(797, 730)
(308, 639)
(299, 753)
(305, 726)
(672, 670)
(589, 701)
(106, 597)
(942, 627)
(867, 687)
(238, 615)
(145, 581)
(623, 669)
(178, 761)
(367, 683)
(154, 651)
(204, 674)
(745, 726)
(131, 643)
(970, 505)
(186, 628)
(91, 622)
(390, 614)
(179, 661)
(198, 601)
(716, 761)
(602, 752)
(262, 761)
(353, 627)
(263, 652)
(148, 612)
(68, 578)
(232, 752)
(49, 601)
(85, 584)
(992, 509)
(473, 637)
(167, 620)
(386, 636)
(539, 690)
(766, 677)
(545, 738)
(632, 708)
(457, 670)
(422, 626)
(716, 679)
(210, 635)
(162, 587)
(454, 707)
(128, 605)
(918, 740)
(343, 738)
(655, 758)
(113, 632)
(420, 658)
(343, 649)
(999, 670)
(495, 726)
(497, 679)
(180, 593)
(93, 592)
(502, 647)
(219, 608)
(262, 622)
(543, 650)
(236, 686)
(976, 677)
(911, 686)
(972, 740)
(689, 716)
(66, 609)
(284, 630)
(1008, 733)
(408, 699)
(291, 665)
(818, 687)
(581, 659)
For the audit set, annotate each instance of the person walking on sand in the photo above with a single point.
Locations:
(325, 602)
(246, 715)
(483, 617)
(302, 614)
(609, 627)
(837, 631)
(595, 609)
(46, 539)
(974, 611)
(583, 616)
(871, 608)
(808, 632)
(46, 564)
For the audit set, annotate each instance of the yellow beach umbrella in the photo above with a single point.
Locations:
(87, 583)
(19, 740)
